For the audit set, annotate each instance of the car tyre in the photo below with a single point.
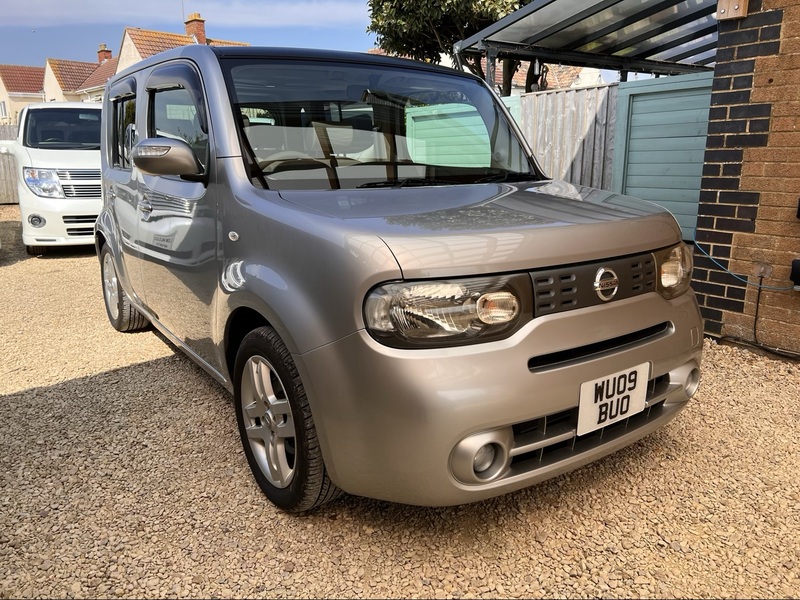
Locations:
(121, 313)
(276, 426)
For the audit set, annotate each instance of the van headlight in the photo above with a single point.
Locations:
(43, 182)
(448, 312)
(674, 270)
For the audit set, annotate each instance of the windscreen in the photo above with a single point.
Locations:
(62, 129)
(333, 125)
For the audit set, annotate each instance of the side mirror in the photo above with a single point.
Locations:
(5, 147)
(166, 156)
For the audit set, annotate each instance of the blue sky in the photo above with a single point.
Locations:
(33, 30)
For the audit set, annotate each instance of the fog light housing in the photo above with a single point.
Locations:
(37, 221)
(484, 458)
(692, 383)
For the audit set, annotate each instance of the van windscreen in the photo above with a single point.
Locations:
(62, 129)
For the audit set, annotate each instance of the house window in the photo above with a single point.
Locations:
(3, 113)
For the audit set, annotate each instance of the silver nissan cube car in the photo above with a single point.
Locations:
(364, 252)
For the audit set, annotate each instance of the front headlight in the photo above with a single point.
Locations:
(43, 182)
(674, 270)
(448, 312)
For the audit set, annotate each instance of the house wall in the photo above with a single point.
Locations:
(128, 54)
(748, 215)
(14, 104)
(4, 98)
(53, 91)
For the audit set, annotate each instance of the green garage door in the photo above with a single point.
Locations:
(660, 142)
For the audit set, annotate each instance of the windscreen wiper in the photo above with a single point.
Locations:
(408, 181)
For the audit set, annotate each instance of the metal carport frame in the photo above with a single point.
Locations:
(662, 37)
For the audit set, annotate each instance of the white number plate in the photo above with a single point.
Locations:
(612, 398)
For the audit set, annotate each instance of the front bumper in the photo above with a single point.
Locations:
(68, 221)
(389, 420)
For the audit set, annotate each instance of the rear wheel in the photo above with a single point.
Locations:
(121, 313)
(276, 426)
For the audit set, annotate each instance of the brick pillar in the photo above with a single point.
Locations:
(751, 179)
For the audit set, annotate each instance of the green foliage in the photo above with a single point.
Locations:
(426, 29)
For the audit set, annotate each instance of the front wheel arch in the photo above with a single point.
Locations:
(277, 429)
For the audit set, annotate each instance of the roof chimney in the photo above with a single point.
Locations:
(196, 28)
(103, 53)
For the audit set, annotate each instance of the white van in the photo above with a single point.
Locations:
(58, 173)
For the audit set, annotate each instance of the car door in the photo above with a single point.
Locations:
(177, 215)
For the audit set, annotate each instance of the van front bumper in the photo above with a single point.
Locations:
(67, 221)
(400, 425)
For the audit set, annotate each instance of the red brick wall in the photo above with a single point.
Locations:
(751, 179)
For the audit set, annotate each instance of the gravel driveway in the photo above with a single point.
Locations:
(122, 475)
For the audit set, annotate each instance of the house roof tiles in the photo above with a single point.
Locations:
(101, 74)
(149, 42)
(19, 79)
(70, 74)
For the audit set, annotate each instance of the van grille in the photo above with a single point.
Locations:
(87, 222)
(80, 231)
(78, 174)
(572, 287)
(81, 190)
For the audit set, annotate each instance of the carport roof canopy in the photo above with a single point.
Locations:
(662, 37)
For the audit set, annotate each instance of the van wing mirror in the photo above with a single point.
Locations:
(166, 156)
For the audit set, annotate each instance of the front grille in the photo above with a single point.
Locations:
(547, 440)
(572, 287)
(71, 219)
(86, 220)
(91, 190)
(78, 174)
(80, 231)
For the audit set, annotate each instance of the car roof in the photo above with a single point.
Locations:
(202, 52)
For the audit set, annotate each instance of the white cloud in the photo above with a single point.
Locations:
(245, 14)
